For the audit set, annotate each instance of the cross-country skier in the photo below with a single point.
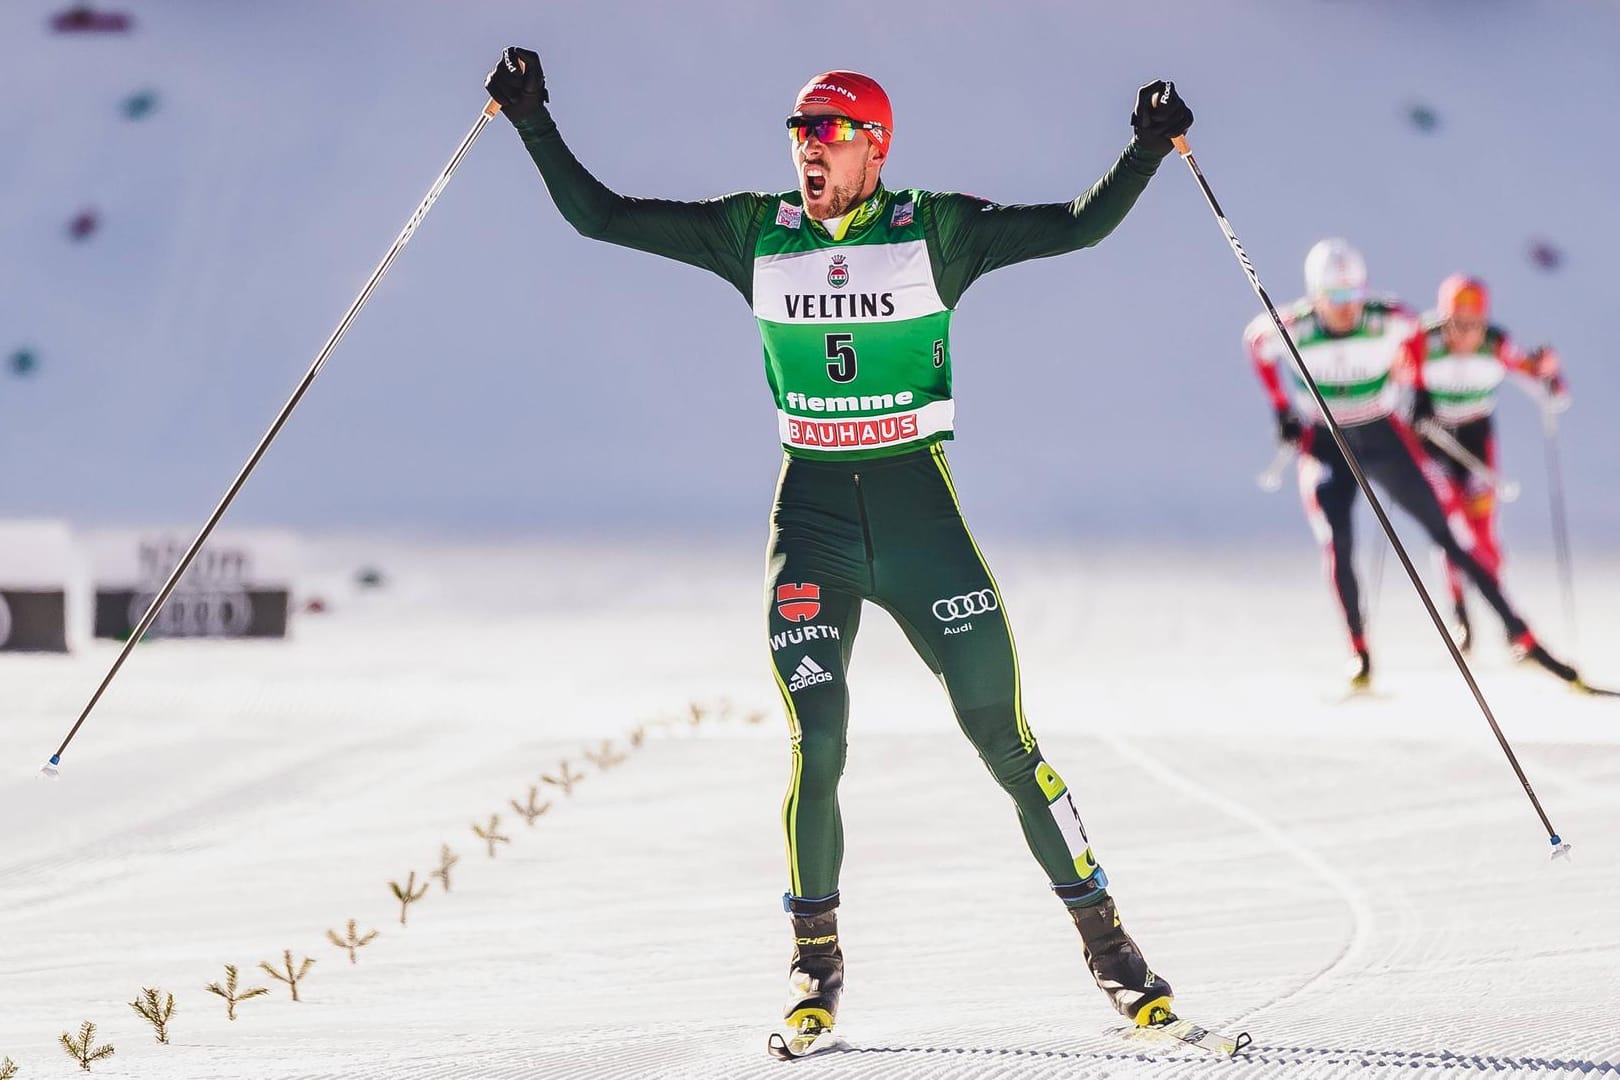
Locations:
(853, 284)
(1353, 345)
(1464, 358)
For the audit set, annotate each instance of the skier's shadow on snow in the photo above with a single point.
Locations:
(1273, 1055)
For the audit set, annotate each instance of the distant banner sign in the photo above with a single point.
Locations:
(39, 572)
(33, 620)
(239, 585)
(214, 613)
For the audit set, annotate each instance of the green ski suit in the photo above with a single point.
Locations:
(857, 355)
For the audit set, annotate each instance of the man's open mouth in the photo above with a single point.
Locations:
(815, 180)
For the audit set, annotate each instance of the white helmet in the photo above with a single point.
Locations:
(1335, 272)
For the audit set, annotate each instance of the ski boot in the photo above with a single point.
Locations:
(1361, 671)
(1527, 648)
(815, 978)
(1118, 966)
(1461, 632)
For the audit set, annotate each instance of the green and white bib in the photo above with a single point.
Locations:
(857, 339)
(1462, 385)
(1355, 371)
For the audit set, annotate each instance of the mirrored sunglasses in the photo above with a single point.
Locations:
(828, 129)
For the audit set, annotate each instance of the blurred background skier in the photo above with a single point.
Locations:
(1353, 346)
(1464, 358)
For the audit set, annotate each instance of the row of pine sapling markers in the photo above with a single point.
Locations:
(157, 1007)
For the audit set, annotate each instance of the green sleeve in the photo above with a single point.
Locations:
(715, 234)
(969, 236)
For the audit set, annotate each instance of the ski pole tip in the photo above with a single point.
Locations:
(49, 771)
(1560, 848)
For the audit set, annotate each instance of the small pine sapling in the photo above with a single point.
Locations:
(83, 1049)
(447, 859)
(286, 973)
(638, 735)
(231, 994)
(695, 713)
(605, 756)
(353, 942)
(8, 1069)
(490, 834)
(566, 778)
(407, 894)
(155, 1011)
(533, 808)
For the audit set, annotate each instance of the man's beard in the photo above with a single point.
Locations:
(844, 198)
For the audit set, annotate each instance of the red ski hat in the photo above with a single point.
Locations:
(856, 96)
(1461, 294)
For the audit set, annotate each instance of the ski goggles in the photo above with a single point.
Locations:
(1342, 296)
(829, 129)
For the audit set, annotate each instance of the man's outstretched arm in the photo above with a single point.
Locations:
(716, 234)
(976, 236)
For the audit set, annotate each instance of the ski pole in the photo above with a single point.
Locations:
(1555, 496)
(135, 635)
(1271, 479)
(1506, 490)
(1376, 579)
(1558, 845)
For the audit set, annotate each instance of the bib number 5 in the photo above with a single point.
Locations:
(841, 353)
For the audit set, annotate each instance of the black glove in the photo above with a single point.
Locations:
(1160, 116)
(1422, 409)
(517, 84)
(1289, 429)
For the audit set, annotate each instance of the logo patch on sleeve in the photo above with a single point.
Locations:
(903, 215)
(788, 215)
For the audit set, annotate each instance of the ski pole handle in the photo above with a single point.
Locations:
(1270, 481)
(494, 106)
(1180, 143)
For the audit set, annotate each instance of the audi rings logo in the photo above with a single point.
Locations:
(5, 621)
(955, 608)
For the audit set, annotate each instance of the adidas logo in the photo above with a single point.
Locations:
(808, 673)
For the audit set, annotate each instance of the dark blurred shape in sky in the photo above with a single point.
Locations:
(1546, 255)
(84, 19)
(139, 104)
(22, 362)
(84, 224)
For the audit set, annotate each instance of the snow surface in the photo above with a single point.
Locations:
(1361, 886)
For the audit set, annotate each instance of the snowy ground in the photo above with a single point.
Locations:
(1362, 886)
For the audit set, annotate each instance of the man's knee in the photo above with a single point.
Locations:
(1003, 741)
(822, 749)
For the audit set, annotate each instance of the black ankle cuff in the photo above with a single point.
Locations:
(1084, 893)
(803, 906)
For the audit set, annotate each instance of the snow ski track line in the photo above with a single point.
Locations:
(1360, 911)
(1412, 1060)
(1408, 1060)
